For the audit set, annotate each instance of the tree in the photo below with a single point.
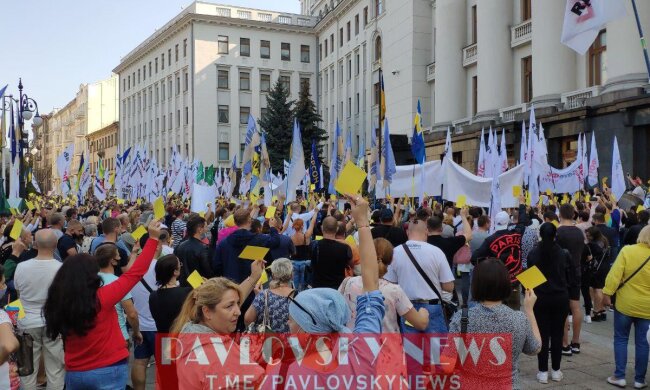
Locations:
(309, 119)
(278, 124)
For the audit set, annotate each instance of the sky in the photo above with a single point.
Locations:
(55, 46)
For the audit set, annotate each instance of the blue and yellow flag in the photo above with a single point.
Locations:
(417, 141)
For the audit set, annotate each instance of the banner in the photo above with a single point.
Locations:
(407, 181)
(201, 196)
(559, 181)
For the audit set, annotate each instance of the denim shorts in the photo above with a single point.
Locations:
(113, 377)
(148, 346)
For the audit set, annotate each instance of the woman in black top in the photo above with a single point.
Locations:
(166, 302)
(597, 268)
(301, 259)
(552, 306)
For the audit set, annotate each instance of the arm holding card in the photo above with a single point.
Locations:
(248, 284)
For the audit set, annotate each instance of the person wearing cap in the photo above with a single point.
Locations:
(386, 229)
(505, 245)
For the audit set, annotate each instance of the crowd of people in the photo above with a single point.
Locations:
(95, 293)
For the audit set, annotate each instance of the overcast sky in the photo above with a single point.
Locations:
(57, 45)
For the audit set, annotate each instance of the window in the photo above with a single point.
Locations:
(224, 114)
(326, 51)
(169, 57)
(378, 49)
(162, 67)
(349, 68)
(265, 82)
(156, 62)
(332, 43)
(186, 82)
(149, 68)
(379, 7)
(187, 115)
(377, 92)
(162, 89)
(474, 25)
(304, 81)
(184, 48)
(349, 107)
(243, 115)
(356, 24)
(222, 76)
(263, 112)
(129, 79)
(526, 10)
(285, 81)
(265, 49)
(474, 94)
(244, 81)
(224, 151)
(365, 17)
(304, 53)
(222, 43)
(358, 103)
(171, 116)
(341, 73)
(320, 51)
(358, 67)
(178, 118)
(138, 76)
(176, 53)
(178, 85)
(457, 157)
(341, 37)
(285, 51)
(526, 79)
(349, 30)
(598, 60)
(244, 47)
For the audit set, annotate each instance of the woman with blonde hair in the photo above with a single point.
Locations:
(273, 302)
(395, 300)
(213, 308)
(629, 279)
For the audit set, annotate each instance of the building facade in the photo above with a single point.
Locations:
(193, 83)
(43, 158)
(102, 144)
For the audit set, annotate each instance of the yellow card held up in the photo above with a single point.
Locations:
(640, 208)
(312, 187)
(253, 253)
(16, 230)
(120, 201)
(318, 238)
(19, 305)
(13, 211)
(263, 278)
(274, 199)
(516, 191)
(29, 205)
(350, 180)
(139, 232)
(461, 201)
(350, 240)
(158, 208)
(531, 278)
(270, 212)
(195, 279)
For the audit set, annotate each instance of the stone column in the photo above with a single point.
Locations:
(553, 63)
(495, 66)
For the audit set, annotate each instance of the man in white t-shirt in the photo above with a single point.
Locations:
(32, 281)
(434, 264)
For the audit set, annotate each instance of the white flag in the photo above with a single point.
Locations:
(523, 152)
(593, 162)
(480, 170)
(448, 150)
(489, 154)
(583, 20)
(503, 155)
(618, 178)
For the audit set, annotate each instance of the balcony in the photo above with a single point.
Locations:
(521, 33)
(80, 112)
(376, 65)
(431, 72)
(508, 114)
(458, 125)
(470, 55)
(577, 99)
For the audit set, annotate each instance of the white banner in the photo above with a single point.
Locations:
(201, 196)
(559, 181)
(407, 181)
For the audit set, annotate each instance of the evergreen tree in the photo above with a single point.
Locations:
(309, 119)
(278, 124)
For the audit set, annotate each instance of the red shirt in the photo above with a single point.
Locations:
(104, 344)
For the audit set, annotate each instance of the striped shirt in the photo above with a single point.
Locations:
(178, 231)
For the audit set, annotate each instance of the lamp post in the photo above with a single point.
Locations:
(27, 109)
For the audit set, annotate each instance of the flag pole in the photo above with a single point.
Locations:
(642, 38)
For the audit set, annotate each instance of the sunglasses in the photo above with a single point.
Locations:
(301, 307)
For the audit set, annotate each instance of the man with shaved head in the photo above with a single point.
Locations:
(68, 244)
(32, 281)
(330, 258)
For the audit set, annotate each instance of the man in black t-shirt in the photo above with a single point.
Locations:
(449, 245)
(67, 244)
(396, 235)
(330, 258)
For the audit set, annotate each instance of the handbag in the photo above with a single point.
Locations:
(448, 308)
(463, 255)
(25, 354)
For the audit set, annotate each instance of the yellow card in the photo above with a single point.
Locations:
(120, 201)
(516, 191)
(139, 232)
(158, 208)
(461, 201)
(170, 193)
(19, 305)
(312, 187)
(531, 278)
(29, 205)
(13, 211)
(270, 212)
(263, 278)
(587, 198)
(604, 182)
(640, 208)
(274, 199)
(195, 279)
(202, 214)
(254, 197)
(138, 201)
(350, 180)
(253, 253)
(528, 199)
(549, 193)
(318, 238)
(16, 230)
(332, 197)
(350, 240)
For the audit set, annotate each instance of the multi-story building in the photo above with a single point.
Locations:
(193, 83)
(95, 107)
(102, 144)
(42, 163)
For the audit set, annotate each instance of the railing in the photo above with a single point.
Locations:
(264, 17)
(470, 54)
(284, 19)
(521, 33)
(244, 14)
(458, 125)
(508, 114)
(577, 99)
(376, 65)
(431, 72)
(223, 12)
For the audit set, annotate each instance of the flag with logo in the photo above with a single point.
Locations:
(618, 178)
(315, 168)
(583, 20)
(388, 166)
(594, 164)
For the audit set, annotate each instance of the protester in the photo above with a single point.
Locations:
(192, 252)
(629, 279)
(330, 258)
(68, 244)
(271, 307)
(632, 234)
(166, 301)
(597, 267)
(449, 245)
(491, 286)
(552, 305)
(301, 258)
(178, 228)
(32, 280)
(387, 230)
(111, 231)
(81, 310)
